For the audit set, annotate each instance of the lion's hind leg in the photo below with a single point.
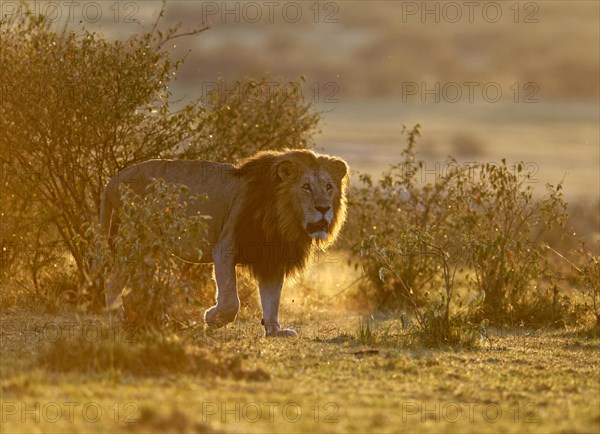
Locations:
(113, 294)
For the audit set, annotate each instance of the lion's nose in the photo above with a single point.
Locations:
(323, 209)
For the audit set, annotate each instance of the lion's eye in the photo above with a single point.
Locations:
(306, 187)
(329, 187)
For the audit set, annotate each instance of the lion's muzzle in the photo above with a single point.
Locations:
(315, 229)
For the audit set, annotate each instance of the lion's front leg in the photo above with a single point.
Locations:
(270, 295)
(228, 302)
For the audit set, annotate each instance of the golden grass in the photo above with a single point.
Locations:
(327, 380)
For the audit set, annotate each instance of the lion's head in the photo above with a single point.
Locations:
(295, 200)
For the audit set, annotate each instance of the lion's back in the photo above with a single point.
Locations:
(220, 183)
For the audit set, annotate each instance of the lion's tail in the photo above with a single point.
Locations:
(97, 276)
(106, 211)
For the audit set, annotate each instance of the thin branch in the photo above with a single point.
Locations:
(568, 261)
(190, 33)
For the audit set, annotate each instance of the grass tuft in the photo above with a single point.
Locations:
(149, 355)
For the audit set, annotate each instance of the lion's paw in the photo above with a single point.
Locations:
(287, 333)
(216, 318)
(281, 333)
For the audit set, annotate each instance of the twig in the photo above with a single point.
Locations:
(190, 33)
(406, 288)
(561, 256)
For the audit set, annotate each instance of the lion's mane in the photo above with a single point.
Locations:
(270, 242)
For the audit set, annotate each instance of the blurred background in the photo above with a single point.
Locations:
(486, 80)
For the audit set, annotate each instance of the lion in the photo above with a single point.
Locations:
(267, 214)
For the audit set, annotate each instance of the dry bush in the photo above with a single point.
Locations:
(79, 108)
(478, 227)
(253, 115)
(144, 260)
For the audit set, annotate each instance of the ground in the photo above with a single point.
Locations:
(328, 379)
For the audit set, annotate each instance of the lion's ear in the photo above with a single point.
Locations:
(337, 168)
(288, 171)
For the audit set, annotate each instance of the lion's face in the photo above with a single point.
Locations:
(317, 193)
(316, 190)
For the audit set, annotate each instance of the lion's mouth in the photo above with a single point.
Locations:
(320, 226)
